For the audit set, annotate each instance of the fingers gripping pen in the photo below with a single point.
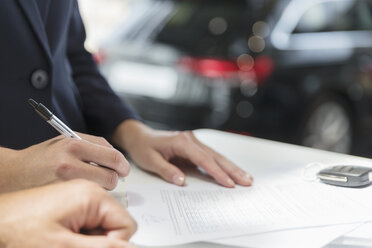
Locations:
(63, 129)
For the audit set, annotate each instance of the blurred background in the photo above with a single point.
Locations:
(297, 71)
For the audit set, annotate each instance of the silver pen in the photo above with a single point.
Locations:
(47, 115)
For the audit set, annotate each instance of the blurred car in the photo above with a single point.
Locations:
(298, 71)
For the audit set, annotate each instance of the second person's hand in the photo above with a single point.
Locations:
(72, 214)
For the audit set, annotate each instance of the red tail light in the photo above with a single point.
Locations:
(263, 67)
(260, 70)
(208, 67)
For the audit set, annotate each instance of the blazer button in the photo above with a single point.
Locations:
(39, 79)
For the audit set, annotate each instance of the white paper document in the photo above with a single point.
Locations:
(293, 238)
(359, 237)
(168, 215)
(362, 232)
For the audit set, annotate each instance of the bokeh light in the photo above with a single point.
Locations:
(261, 29)
(245, 62)
(248, 87)
(217, 25)
(244, 109)
(256, 44)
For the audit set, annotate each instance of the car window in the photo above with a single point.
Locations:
(336, 15)
(364, 18)
(203, 28)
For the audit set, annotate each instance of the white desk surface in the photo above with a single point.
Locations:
(259, 157)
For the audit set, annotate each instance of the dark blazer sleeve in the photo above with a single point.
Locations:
(102, 108)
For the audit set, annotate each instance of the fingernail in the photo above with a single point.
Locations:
(248, 178)
(178, 180)
(230, 182)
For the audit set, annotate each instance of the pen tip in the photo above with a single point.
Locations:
(32, 102)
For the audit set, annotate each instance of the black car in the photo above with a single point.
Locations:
(296, 71)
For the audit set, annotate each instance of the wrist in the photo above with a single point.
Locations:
(128, 133)
(10, 164)
(8, 156)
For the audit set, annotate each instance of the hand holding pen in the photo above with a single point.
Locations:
(64, 159)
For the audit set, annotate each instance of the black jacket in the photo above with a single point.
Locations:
(46, 60)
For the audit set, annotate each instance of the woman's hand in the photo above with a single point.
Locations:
(61, 159)
(155, 151)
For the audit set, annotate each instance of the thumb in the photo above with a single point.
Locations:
(166, 170)
(84, 241)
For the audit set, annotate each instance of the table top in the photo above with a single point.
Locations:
(265, 160)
